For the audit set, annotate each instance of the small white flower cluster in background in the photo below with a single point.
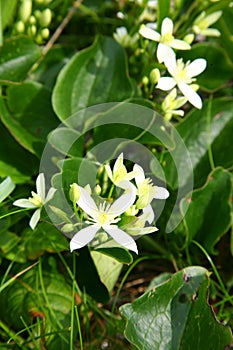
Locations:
(183, 75)
(123, 218)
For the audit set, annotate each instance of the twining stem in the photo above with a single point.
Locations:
(61, 27)
(14, 212)
(215, 271)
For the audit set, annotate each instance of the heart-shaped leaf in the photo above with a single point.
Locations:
(176, 316)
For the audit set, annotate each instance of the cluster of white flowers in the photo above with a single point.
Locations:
(122, 218)
(182, 74)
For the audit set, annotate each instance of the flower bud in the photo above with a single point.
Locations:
(45, 18)
(67, 228)
(145, 80)
(154, 76)
(45, 33)
(74, 193)
(32, 30)
(32, 20)
(20, 27)
(25, 10)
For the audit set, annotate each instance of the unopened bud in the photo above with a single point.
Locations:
(154, 76)
(67, 228)
(45, 18)
(32, 20)
(20, 27)
(145, 80)
(25, 10)
(32, 30)
(74, 193)
(45, 33)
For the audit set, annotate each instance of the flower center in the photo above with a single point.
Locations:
(36, 199)
(167, 38)
(180, 73)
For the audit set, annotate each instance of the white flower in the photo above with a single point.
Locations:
(123, 38)
(37, 200)
(119, 172)
(183, 76)
(166, 39)
(202, 23)
(146, 192)
(171, 104)
(105, 216)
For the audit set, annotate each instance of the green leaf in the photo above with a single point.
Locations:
(67, 141)
(209, 212)
(201, 136)
(95, 75)
(15, 161)
(121, 255)
(6, 187)
(8, 9)
(175, 315)
(163, 11)
(16, 58)
(39, 294)
(45, 238)
(88, 277)
(28, 115)
(219, 68)
(108, 268)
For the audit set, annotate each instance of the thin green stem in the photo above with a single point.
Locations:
(215, 271)
(30, 333)
(111, 191)
(124, 279)
(14, 212)
(79, 328)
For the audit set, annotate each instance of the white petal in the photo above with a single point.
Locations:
(125, 201)
(180, 45)
(166, 83)
(109, 172)
(167, 26)
(118, 163)
(191, 95)
(165, 54)
(35, 218)
(122, 238)
(50, 194)
(211, 32)
(148, 214)
(161, 193)
(83, 237)
(86, 202)
(40, 186)
(196, 67)
(24, 203)
(149, 33)
(140, 176)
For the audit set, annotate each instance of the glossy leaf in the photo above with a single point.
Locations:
(16, 58)
(201, 136)
(28, 115)
(219, 69)
(11, 156)
(209, 213)
(6, 187)
(95, 75)
(175, 315)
